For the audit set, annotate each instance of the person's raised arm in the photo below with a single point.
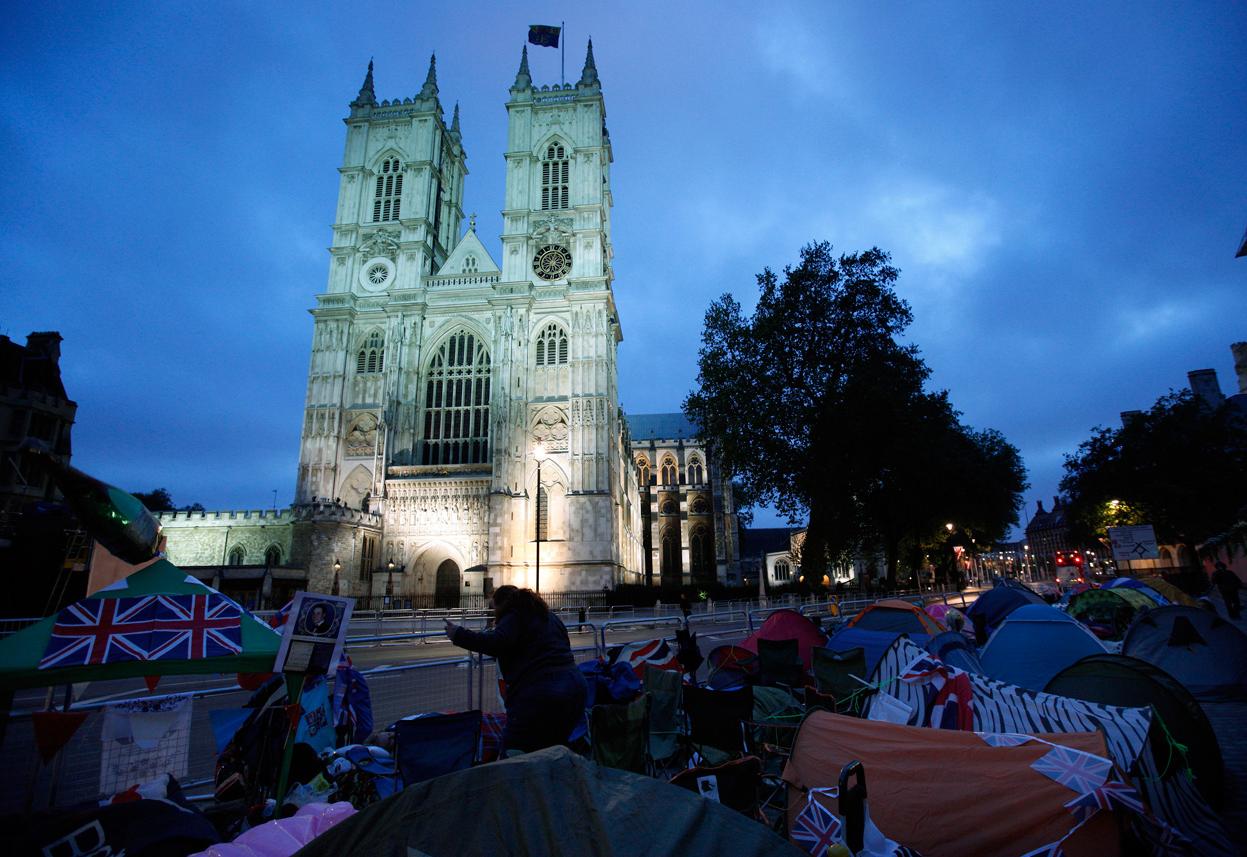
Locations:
(503, 637)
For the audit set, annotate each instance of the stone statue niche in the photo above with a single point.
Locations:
(361, 440)
(356, 486)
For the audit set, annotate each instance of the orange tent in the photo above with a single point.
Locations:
(947, 793)
(893, 614)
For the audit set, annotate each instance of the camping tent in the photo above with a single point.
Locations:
(955, 650)
(892, 614)
(997, 603)
(1035, 643)
(948, 616)
(158, 621)
(1131, 734)
(1138, 586)
(1125, 681)
(551, 802)
(1173, 593)
(788, 625)
(1204, 652)
(1109, 612)
(909, 784)
(873, 644)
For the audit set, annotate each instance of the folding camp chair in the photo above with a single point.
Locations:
(780, 664)
(665, 721)
(838, 674)
(716, 719)
(733, 784)
(620, 735)
(438, 744)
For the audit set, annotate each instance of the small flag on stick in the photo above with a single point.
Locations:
(544, 35)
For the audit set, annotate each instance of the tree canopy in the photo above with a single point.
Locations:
(160, 500)
(1181, 466)
(815, 404)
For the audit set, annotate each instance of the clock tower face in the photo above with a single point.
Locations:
(552, 262)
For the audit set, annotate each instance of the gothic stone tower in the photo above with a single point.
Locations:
(434, 373)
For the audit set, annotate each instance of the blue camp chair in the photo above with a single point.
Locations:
(437, 744)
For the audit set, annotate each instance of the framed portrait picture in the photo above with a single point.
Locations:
(313, 636)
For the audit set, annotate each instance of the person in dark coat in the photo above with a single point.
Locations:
(545, 691)
(1228, 585)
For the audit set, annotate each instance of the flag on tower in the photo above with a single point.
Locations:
(544, 35)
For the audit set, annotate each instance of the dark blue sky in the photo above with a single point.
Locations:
(1062, 187)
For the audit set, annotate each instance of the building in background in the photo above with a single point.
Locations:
(33, 406)
(689, 529)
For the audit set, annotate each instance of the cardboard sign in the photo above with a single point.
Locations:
(313, 636)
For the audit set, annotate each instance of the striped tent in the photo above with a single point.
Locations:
(1131, 735)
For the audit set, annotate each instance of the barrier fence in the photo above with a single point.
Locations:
(79, 772)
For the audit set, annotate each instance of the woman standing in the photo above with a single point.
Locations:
(545, 692)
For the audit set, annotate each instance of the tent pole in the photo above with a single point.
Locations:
(294, 696)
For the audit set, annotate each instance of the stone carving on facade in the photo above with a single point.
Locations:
(550, 428)
(383, 242)
(553, 229)
(547, 119)
(361, 440)
(439, 508)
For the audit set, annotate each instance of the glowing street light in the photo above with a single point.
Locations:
(539, 453)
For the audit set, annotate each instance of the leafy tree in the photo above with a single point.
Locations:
(1181, 466)
(160, 500)
(815, 405)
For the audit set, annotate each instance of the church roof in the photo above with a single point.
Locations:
(661, 427)
(756, 541)
(469, 245)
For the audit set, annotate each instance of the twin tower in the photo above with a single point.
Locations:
(439, 377)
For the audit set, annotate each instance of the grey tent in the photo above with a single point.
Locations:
(1204, 652)
(547, 803)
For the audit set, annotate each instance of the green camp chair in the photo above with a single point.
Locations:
(837, 673)
(665, 720)
(780, 664)
(620, 735)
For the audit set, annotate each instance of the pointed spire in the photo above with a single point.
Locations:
(523, 80)
(367, 95)
(429, 90)
(454, 123)
(589, 77)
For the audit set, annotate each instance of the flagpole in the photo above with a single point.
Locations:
(562, 52)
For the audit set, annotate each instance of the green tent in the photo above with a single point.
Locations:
(22, 653)
(1109, 612)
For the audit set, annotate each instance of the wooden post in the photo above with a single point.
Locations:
(294, 696)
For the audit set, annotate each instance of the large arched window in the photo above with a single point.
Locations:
(552, 346)
(783, 571)
(388, 197)
(272, 556)
(371, 358)
(555, 169)
(237, 555)
(696, 472)
(671, 553)
(456, 403)
(670, 474)
(701, 553)
(642, 471)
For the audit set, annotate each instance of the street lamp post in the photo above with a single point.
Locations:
(389, 583)
(337, 571)
(539, 452)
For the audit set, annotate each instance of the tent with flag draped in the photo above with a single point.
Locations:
(158, 621)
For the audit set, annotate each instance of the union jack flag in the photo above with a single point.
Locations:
(1110, 796)
(192, 627)
(649, 653)
(816, 828)
(946, 691)
(1074, 769)
(100, 631)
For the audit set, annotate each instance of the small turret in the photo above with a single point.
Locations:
(367, 95)
(454, 124)
(589, 76)
(523, 80)
(427, 99)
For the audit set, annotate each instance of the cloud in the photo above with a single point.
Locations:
(936, 226)
(791, 48)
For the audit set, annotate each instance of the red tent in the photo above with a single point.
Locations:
(788, 625)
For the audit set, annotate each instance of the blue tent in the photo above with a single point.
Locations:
(955, 650)
(874, 643)
(997, 603)
(1131, 583)
(1035, 643)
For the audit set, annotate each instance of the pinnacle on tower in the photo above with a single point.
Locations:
(429, 90)
(454, 122)
(367, 95)
(589, 77)
(523, 80)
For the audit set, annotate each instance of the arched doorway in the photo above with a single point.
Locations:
(448, 585)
